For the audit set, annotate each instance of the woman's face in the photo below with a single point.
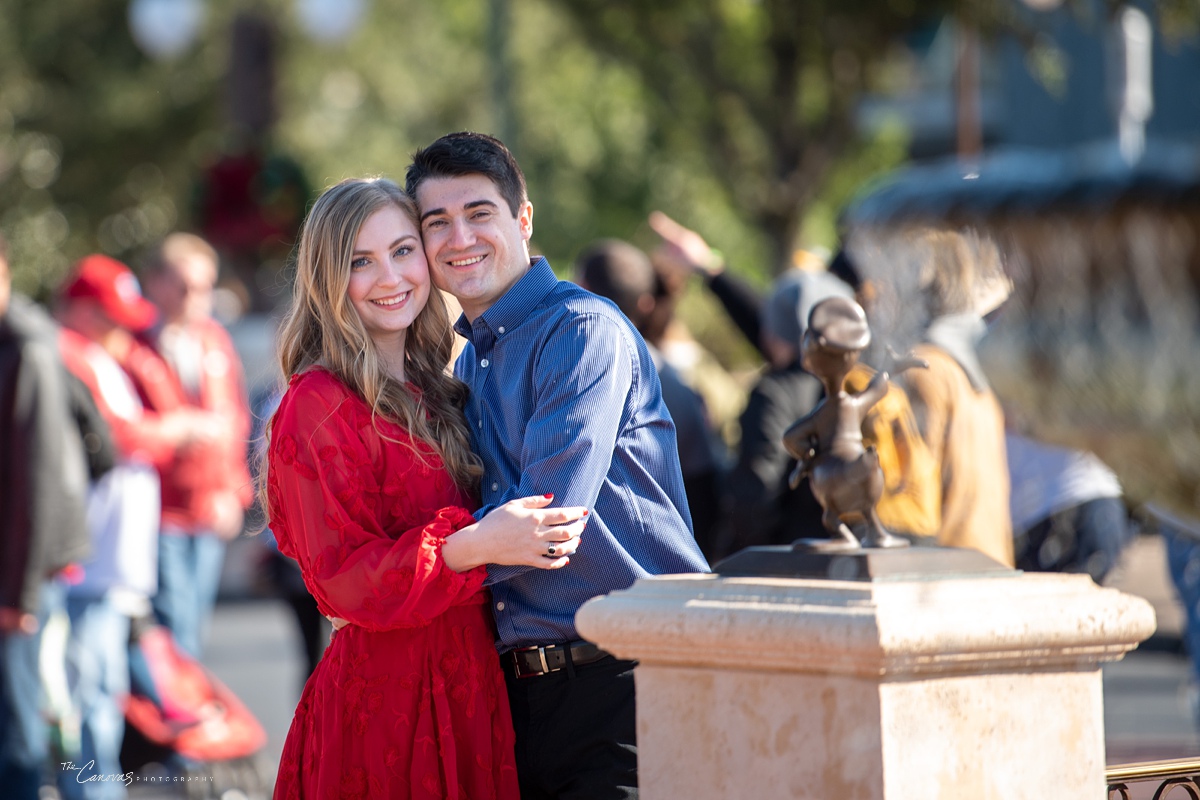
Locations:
(389, 277)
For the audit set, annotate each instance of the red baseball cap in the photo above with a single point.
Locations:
(115, 288)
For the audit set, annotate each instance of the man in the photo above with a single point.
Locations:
(43, 485)
(565, 400)
(206, 487)
(766, 511)
(622, 273)
(100, 307)
(1067, 509)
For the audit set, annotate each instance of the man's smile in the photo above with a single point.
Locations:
(465, 262)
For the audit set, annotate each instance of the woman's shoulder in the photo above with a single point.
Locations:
(313, 395)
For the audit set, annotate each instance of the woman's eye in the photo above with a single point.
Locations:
(403, 250)
(358, 263)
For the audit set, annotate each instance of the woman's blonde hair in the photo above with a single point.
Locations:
(323, 328)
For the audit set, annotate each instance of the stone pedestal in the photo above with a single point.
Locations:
(985, 687)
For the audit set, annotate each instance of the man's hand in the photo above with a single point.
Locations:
(227, 515)
(14, 620)
(683, 248)
(188, 427)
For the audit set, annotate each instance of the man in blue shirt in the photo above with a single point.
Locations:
(564, 399)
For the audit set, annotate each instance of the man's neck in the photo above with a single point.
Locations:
(473, 311)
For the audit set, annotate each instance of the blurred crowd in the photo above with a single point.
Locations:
(124, 432)
(956, 473)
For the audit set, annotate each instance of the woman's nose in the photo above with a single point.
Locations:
(391, 273)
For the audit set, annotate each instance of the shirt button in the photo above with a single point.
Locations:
(495, 486)
(500, 606)
(501, 329)
(483, 363)
(481, 423)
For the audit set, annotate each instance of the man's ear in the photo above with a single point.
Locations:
(645, 304)
(525, 220)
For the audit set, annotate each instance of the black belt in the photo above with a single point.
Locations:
(529, 662)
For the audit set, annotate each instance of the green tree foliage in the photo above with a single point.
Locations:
(94, 138)
(596, 159)
(102, 148)
(735, 115)
(764, 91)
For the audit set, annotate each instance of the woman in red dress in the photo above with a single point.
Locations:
(370, 482)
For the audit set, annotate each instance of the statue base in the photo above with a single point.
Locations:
(873, 689)
(863, 564)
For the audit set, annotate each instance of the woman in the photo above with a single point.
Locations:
(369, 485)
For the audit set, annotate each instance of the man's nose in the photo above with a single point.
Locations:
(461, 234)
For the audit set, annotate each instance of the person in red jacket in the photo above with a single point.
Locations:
(100, 306)
(206, 487)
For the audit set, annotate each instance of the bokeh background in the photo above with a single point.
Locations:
(1070, 130)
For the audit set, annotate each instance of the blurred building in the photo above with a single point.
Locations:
(1060, 82)
(1087, 173)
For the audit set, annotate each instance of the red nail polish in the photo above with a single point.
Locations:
(549, 496)
(585, 513)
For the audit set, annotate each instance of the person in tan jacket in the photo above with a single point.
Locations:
(957, 413)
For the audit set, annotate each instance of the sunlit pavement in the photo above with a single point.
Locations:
(1147, 708)
(254, 649)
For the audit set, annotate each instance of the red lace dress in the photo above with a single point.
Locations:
(409, 700)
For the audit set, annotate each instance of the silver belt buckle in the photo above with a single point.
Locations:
(517, 662)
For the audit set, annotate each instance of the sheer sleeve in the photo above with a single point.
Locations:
(324, 498)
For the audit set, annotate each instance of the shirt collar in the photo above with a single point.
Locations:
(517, 303)
(958, 335)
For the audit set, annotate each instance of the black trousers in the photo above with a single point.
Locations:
(577, 732)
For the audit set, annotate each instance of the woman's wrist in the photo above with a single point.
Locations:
(461, 551)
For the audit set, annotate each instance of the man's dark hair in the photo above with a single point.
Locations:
(847, 270)
(466, 153)
(619, 271)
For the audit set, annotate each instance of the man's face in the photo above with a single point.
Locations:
(183, 290)
(476, 249)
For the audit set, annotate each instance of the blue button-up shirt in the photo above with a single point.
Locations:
(565, 400)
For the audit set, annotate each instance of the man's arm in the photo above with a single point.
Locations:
(583, 378)
(686, 251)
(50, 444)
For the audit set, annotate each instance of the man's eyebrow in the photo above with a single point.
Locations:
(473, 204)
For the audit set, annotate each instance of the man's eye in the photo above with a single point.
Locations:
(434, 223)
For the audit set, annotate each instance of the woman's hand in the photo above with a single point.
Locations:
(521, 532)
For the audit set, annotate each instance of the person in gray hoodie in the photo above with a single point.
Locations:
(43, 486)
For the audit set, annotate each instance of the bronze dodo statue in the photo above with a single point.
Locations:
(827, 442)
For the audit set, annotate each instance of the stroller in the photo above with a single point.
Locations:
(180, 714)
